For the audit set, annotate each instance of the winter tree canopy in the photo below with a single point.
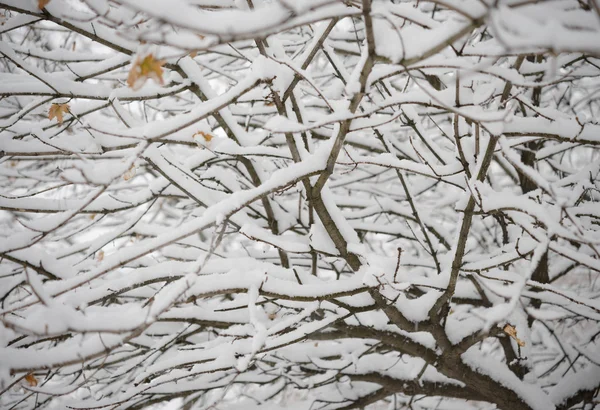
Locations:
(299, 204)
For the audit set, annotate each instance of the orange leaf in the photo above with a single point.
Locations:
(143, 69)
(57, 111)
(207, 137)
(42, 3)
(31, 380)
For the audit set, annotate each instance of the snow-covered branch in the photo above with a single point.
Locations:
(317, 204)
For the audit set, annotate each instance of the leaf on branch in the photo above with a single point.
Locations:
(42, 3)
(512, 332)
(143, 69)
(57, 111)
(206, 138)
(31, 380)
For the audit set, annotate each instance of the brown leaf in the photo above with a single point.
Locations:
(42, 3)
(100, 256)
(57, 111)
(512, 332)
(31, 380)
(143, 69)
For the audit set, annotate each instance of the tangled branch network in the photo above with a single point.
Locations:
(299, 204)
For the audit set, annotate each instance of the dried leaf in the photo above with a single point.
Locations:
(42, 3)
(193, 54)
(143, 69)
(31, 380)
(207, 137)
(57, 111)
(512, 332)
(100, 256)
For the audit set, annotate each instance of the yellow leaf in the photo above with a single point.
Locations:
(143, 69)
(42, 3)
(57, 111)
(31, 380)
(512, 332)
